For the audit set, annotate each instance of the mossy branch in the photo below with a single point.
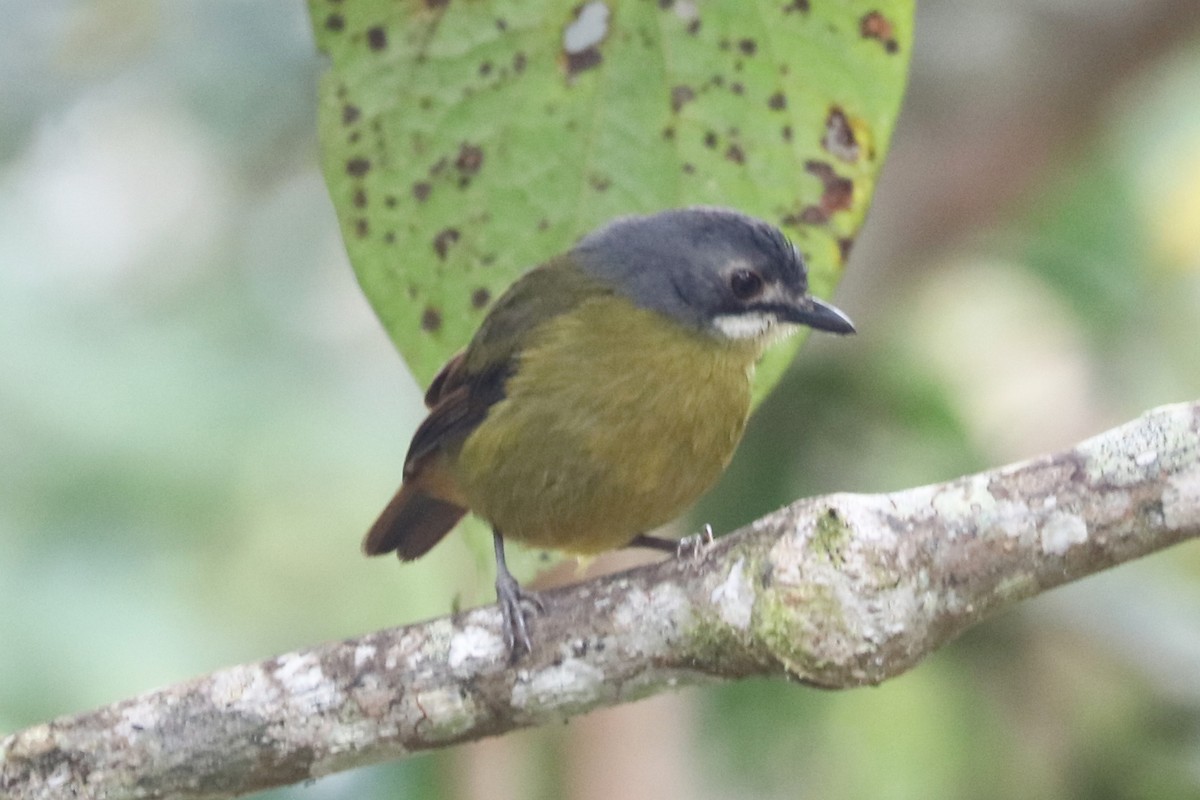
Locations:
(835, 591)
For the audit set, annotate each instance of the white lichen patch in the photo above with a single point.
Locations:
(639, 610)
(1181, 500)
(242, 687)
(962, 502)
(734, 598)
(141, 716)
(1061, 531)
(588, 29)
(363, 653)
(474, 643)
(305, 683)
(1123, 456)
(447, 712)
(574, 682)
(1009, 517)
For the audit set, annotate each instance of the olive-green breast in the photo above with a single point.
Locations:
(614, 422)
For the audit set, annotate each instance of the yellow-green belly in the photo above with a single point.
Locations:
(614, 423)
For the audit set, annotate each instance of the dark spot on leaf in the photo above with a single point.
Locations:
(335, 22)
(519, 61)
(693, 27)
(485, 68)
(689, 168)
(543, 224)
(813, 215)
(583, 38)
(839, 136)
(360, 198)
(353, 137)
(784, 69)
(599, 182)
(437, 167)
(844, 247)
(487, 259)
(470, 159)
(586, 59)
(735, 154)
(390, 237)
(875, 25)
(665, 4)
(710, 139)
(680, 96)
(796, 5)
(431, 320)
(361, 228)
(421, 190)
(837, 193)
(777, 102)
(412, 291)
(349, 114)
(390, 201)
(442, 242)
(787, 133)
(480, 297)
(723, 44)
(501, 24)
(668, 133)
(736, 88)
(425, 102)
(357, 167)
(376, 38)
(436, 4)
(748, 47)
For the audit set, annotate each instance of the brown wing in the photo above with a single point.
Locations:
(429, 503)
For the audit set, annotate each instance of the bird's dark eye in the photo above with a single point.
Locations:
(745, 284)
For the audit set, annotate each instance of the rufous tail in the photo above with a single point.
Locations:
(413, 522)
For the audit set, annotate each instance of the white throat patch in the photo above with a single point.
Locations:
(755, 325)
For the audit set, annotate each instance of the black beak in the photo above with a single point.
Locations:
(818, 315)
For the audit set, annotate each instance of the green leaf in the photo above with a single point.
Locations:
(464, 142)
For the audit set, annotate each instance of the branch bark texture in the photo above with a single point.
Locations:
(836, 591)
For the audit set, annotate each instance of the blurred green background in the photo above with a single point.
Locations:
(199, 416)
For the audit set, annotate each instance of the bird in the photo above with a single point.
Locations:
(603, 393)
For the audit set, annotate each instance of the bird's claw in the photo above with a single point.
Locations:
(693, 546)
(516, 605)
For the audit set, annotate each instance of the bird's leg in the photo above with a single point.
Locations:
(510, 596)
(654, 543)
(691, 546)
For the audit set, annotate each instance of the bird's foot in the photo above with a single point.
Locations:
(688, 547)
(516, 607)
(693, 546)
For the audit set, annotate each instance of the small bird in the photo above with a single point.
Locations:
(603, 393)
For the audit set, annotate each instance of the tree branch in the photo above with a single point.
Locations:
(835, 591)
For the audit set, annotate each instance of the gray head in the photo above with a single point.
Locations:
(712, 268)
